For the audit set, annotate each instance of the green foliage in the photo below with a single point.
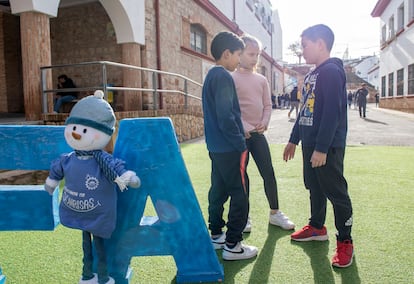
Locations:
(382, 190)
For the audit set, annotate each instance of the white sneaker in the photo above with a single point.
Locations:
(94, 280)
(279, 219)
(218, 243)
(240, 251)
(110, 281)
(248, 227)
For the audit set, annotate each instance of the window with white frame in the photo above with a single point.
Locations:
(391, 84)
(250, 3)
(383, 86)
(410, 79)
(383, 34)
(400, 17)
(400, 82)
(198, 38)
(391, 30)
(411, 11)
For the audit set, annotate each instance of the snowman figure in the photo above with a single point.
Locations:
(92, 176)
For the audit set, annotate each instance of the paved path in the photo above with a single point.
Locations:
(381, 127)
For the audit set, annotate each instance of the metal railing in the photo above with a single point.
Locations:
(106, 87)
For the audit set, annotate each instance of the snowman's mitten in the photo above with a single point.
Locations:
(50, 185)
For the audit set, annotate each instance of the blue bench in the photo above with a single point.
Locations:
(29, 207)
(150, 148)
(29, 147)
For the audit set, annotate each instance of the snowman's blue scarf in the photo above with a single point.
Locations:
(103, 162)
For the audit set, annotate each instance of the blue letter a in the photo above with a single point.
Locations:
(150, 148)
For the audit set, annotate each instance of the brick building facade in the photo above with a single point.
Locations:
(92, 30)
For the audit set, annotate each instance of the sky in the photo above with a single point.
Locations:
(350, 20)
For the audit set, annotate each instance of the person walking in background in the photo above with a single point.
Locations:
(361, 95)
(282, 101)
(350, 96)
(227, 149)
(294, 101)
(376, 99)
(322, 129)
(274, 106)
(287, 100)
(279, 101)
(64, 82)
(254, 97)
(355, 100)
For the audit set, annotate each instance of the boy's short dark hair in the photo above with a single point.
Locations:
(225, 40)
(320, 32)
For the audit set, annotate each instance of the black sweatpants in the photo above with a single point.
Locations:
(328, 182)
(362, 109)
(259, 148)
(228, 180)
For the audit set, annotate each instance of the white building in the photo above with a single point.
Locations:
(366, 68)
(257, 18)
(396, 62)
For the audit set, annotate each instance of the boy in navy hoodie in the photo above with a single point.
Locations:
(322, 127)
(226, 145)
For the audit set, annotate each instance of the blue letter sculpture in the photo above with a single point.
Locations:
(2, 277)
(150, 148)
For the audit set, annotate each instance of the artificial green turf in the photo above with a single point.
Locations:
(382, 190)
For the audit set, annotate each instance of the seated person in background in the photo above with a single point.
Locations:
(64, 82)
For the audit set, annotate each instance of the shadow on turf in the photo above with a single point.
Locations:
(349, 275)
(318, 253)
(261, 269)
(262, 263)
(319, 259)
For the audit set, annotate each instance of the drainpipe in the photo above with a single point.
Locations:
(158, 48)
(272, 83)
(234, 10)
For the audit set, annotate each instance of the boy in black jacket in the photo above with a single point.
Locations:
(322, 128)
(227, 150)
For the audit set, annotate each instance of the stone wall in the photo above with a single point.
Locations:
(188, 122)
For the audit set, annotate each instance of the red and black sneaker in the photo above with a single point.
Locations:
(344, 254)
(309, 233)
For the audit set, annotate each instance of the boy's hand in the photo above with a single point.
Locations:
(318, 159)
(289, 152)
(260, 128)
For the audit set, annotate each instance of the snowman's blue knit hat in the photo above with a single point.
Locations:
(93, 111)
